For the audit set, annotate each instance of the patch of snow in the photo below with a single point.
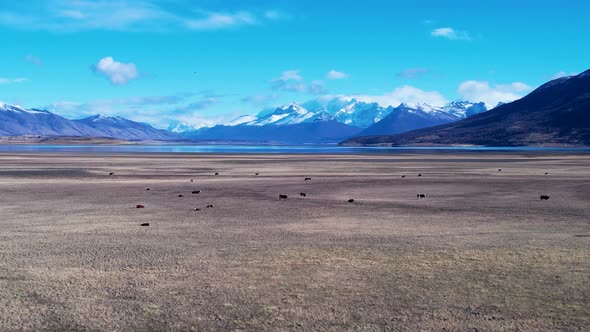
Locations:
(244, 119)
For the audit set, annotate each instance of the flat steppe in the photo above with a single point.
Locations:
(480, 252)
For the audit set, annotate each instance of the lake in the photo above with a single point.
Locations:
(272, 149)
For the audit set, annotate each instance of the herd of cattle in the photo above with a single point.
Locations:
(302, 195)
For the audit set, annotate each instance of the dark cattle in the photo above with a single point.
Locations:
(196, 192)
(139, 206)
(192, 180)
(303, 194)
(544, 197)
(111, 173)
(180, 195)
(546, 173)
(500, 170)
(351, 200)
(148, 189)
(420, 174)
(145, 224)
(403, 176)
(257, 174)
(418, 196)
(210, 206)
(281, 197)
(307, 179)
(197, 209)
(216, 173)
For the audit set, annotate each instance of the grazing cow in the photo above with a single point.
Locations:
(192, 180)
(500, 170)
(257, 174)
(546, 173)
(181, 195)
(544, 197)
(403, 176)
(282, 197)
(418, 196)
(209, 206)
(216, 173)
(145, 224)
(351, 200)
(148, 189)
(111, 173)
(196, 192)
(307, 179)
(197, 209)
(420, 174)
(303, 194)
(139, 206)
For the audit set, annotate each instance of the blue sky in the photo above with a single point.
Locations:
(205, 61)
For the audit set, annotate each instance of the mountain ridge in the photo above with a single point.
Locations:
(556, 113)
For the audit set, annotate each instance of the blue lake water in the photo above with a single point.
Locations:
(272, 149)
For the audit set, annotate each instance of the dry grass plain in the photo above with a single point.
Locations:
(481, 252)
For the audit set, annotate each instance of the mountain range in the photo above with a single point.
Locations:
(19, 121)
(556, 113)
(312, 122)
(338, 119)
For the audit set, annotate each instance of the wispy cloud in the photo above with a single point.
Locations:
(450, 33)
(292, 81)
(215, 21)
(412, 73)
(159, 111)
(291, 75)
(138, 15)
(117, 73)
(336, 75)
(260, 100)
(561, 74)
(404, 94)
(492, 94)
(203, 103)
(34, 60)
(4, 80)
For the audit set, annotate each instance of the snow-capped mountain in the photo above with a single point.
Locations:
(464, 109)
(291, 123)
(286, 115)
(180, 127)
(314, 121)
(555, 114)
(18, 121)
(119, 127)
(358, 113)
(406, 117)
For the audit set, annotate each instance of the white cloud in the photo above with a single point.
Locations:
(292, 81)
(4, 80)
(34, 59)
(136, 15)
(158, 111)
(214, 21)
(275, 15)
(291, 75)
(260, 100)
(117, 72)
(412, 73)
(336, 75)
(491, 95)
(561, 74)
(405, 94)
(450, 33)
(317, 88)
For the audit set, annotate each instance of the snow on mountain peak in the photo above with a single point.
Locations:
(16, 108)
